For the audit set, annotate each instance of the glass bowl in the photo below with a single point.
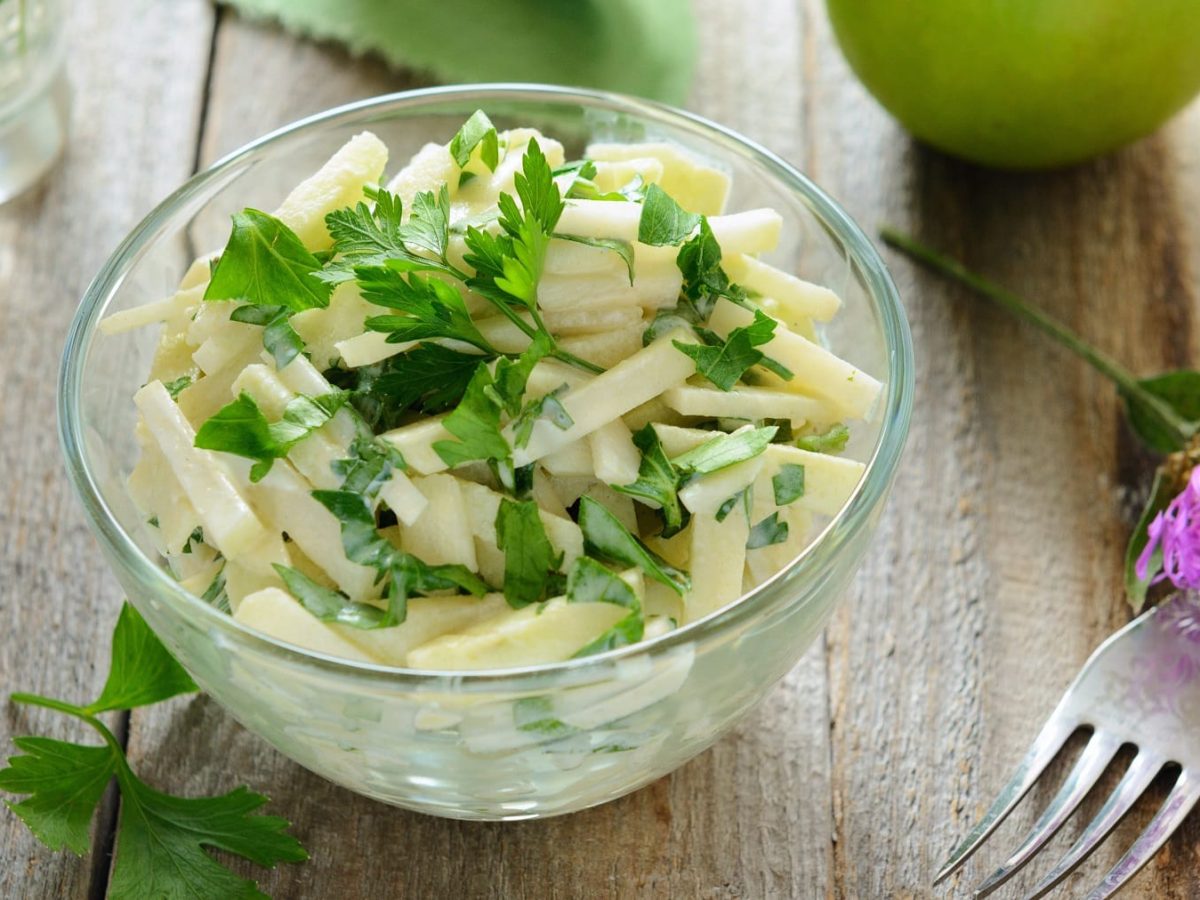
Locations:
(516, 743)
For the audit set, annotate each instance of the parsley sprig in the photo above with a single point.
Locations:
(161, 839)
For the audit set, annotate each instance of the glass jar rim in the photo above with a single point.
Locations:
(895, 409)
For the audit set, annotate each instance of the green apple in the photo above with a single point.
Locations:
(1024, 83)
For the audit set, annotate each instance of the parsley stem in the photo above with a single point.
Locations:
(577, 361)
(79, 712)
(1126, 382)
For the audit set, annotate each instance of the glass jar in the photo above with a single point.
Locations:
(34, 96)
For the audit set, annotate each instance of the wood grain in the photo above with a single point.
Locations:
(998, 567)
(137, 73)
(995, 572)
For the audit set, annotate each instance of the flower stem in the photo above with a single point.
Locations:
(1125, 380)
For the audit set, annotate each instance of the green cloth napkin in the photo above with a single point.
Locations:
(644, 47)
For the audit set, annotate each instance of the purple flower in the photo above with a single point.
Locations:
(1176, 532)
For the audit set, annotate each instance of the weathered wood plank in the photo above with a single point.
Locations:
(750, 818)
(998, 566)
(137, 77)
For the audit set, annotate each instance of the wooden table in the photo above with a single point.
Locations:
(995, 572)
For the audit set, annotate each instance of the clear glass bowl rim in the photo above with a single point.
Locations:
(895, 410)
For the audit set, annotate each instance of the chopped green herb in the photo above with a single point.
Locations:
(477, 131)
(742, 497)
(724, 450)
(769, 531)
(536, 714)
(724, 362)
(161, 840)
(529, 557)
(429, 222)
(329, 605)
(629, 630)
(831, 441)
(194, 539)
(176, 386)
(429, 308)
(279, 338)
(788, 484)
(215, 595)
(663, 220)
(591, 582)
(657, 482)
(265, 264)
(549, 407)
(242, 429)
(368, 468)
(368, 237)
(623, 249)
(605, 537)
(405, 574)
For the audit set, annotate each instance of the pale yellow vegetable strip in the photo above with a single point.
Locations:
(752, 231)
(228, 521)
(620, 505)
(616, 174)
(284, 499)
(536, 634)
(483, 504)
(800, 298)
(615, 459)
(236, 342)
(630, 383)
(573, 459)
(718, 555)
(828, 480)
(322, 329)
(337, 184)
(415, 443)
(746, 403)
(301, 376)
(430, 168)
(694, 185)
(157, 492)
(276, 613)
(428, 618)
(851, 391)
(241, 580)
(150, 313)
(707, 492)
(369, 347)
(442, 534)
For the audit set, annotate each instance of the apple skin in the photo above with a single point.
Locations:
(1024, 84)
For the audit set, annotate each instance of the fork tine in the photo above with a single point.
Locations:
(1174, 810)
(1087, 771)
(1141, 772)
(1054, 734)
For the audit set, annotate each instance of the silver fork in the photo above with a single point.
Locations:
(1141, 687)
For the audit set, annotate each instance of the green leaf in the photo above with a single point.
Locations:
(366, 237)
(404, 573)
(623, 249)
(264, 263)
(162, 840)
(476, 420)
(536, 715)
(658, 481)
(241, 428)
(767, 532)
(605, 537)
(743, 497)
(429, 222)
(629, 630)
(369, 467)
(664, 221)
(279, 338)
(65, 783)
(1180, 391)
(591, 582)
(529, 557)
(724, 450)
(178, 385)
(831, 441)
(788, 484)
(215, 594)
(142, 671)
(549, 407)
(329, 605)
(699, 261)
(725, 362)
(477, 131)
(430, 307)
(1161, 495)
(429, 376)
